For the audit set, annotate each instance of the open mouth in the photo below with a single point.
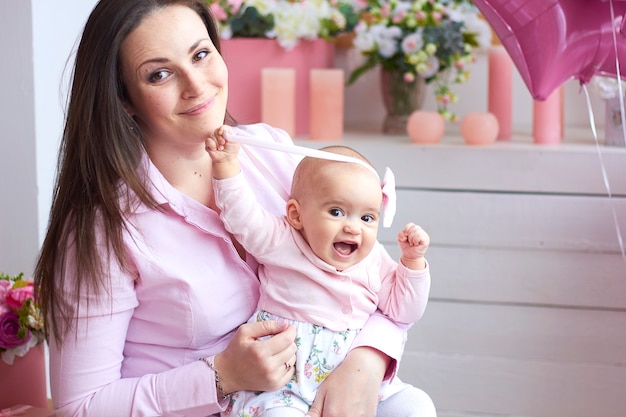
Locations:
(344, 248)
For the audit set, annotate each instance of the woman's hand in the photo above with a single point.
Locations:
(351, 390)
(254, 362)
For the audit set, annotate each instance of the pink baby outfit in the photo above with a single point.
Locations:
(328, 307)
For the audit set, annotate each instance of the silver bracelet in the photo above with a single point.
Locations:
(218, 382)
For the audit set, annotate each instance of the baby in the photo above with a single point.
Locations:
(321, 267)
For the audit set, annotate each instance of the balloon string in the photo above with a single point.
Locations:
(605, 177)
(617, 71)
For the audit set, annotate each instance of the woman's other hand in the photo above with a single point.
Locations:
(351, 390)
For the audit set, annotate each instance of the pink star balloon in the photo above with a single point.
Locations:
(552, 41)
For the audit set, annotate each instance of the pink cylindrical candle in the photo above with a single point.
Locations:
(547, 119)
(326, 94)
(500, 95)
(278, 98)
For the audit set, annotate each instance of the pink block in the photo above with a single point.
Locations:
(24, 382)
(246, 57)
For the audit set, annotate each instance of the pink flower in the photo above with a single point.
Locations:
(5, 285)
(218, 12)
(385, 10)
(9, 329)
(398, 17)
(16, 297)
(236, 5)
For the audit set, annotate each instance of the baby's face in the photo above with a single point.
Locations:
(340, 214)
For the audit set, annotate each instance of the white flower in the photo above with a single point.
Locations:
(413, 43)
(262, 6)
(8, 356)
(428, 68)
(364, 41)
(226, 32)
(294, 21)
(387, 39)
(467, 15)
(607, 87)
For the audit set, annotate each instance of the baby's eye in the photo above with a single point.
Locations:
(335, 212)
(158, 76)
(368, 218)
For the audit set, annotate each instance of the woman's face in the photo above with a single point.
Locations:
(177, 82)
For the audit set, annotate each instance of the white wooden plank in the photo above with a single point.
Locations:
(512, 220)
(483, 385)
(494, 275)
(510, 166)
(522, 333)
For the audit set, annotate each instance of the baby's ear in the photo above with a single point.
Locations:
(293, 214)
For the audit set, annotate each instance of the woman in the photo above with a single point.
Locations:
(131, 298)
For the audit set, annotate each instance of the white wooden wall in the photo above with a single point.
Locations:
(527, 315)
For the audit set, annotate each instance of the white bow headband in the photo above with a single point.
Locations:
(388, 183)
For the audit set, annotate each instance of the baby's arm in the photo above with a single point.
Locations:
(405, 287)
(223, 154)
(414, 242)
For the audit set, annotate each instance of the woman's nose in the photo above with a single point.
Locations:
(193, 84)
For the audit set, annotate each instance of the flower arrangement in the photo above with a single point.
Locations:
(607, 87)
(21, 323)
(432, 39)
(287, 21)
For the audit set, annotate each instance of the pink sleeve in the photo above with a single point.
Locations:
(404, 292)
(385, 336)
(86, 372)
(86, 380)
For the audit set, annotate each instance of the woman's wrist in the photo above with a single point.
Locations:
(221, 393)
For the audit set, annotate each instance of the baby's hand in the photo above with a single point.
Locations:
(223, 153)
(414, 242)
(219, 148)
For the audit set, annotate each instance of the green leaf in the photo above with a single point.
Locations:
(358, 72)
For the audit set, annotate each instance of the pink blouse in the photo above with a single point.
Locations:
(137, 346)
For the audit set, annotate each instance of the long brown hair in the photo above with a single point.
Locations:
(100, 151)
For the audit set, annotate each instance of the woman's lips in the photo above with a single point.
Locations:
(200, 108)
